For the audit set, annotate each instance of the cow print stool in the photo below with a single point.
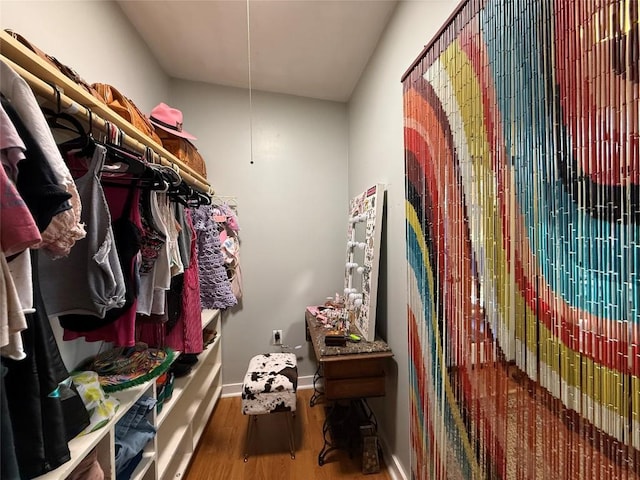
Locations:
(270, 386)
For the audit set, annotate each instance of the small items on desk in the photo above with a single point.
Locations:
(335, 338)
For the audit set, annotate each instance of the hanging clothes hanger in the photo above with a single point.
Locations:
(187, 196)
(201, 198)
(230, 201)
(64, 121)
(181, 193)
(169, 175)
(120, 162)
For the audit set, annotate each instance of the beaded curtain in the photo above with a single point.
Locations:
(522, 172)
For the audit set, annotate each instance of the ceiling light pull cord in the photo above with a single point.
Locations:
(250, 90)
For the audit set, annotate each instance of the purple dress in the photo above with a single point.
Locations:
(215, 287)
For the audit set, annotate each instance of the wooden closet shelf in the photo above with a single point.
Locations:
(49, 83)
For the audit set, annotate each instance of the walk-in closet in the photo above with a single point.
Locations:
(359, 239)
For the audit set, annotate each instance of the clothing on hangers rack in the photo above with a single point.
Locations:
(115, 168)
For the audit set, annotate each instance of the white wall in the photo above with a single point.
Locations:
(376, 154)
(96, 40)
(292, 207)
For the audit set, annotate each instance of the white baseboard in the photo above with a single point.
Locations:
(396, 472)
(235, 389)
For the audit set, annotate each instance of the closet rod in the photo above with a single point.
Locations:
(49, 93)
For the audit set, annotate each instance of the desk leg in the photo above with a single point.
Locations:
(341, 428)
(331, 419)
(350, 427)
(317, 393)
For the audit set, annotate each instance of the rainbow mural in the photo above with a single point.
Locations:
(522, 163)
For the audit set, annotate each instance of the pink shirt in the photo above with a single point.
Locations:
(18, 229)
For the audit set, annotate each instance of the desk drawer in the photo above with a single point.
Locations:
(353, 388)
(372, 367)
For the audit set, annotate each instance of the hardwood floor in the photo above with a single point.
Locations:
(220, 454)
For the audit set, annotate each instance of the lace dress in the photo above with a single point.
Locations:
(215, 288)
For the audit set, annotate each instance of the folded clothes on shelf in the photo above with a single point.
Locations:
(132, 433)
(125, 367)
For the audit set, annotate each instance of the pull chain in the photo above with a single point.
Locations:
(250, 90)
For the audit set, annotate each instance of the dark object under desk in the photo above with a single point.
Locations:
(350, 374)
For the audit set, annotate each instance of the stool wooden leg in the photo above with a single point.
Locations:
(249, 438)
(292, 440)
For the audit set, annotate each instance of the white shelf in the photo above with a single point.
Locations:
(182, 420)
(205, 414)
(179, 425)
(171, 447)
(208, 316)
(148, 458)
(180, 384)
(176, 468)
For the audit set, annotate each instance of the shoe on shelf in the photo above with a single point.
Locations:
(187, 358)
(180, 369)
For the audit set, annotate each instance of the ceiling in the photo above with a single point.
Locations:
(309, 48)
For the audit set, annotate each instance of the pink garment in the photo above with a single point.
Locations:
(122, 331)
(88, 469)
(18, 229)
(186, 336)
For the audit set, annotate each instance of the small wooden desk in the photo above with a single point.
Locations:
(352, 372)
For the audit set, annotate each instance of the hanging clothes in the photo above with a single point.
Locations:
(215, 289)
(9, 469)
(12, 147)
(27, 208)
(230, 243)
(44, 407)
(158, 278)
(18, 229)
(94, 282)
(184, 237)
(175, 259)
(36, 181)
(167, 215)
(68, 227)
(123, 205)
(185, 333)
(152, 238)
(12, 317)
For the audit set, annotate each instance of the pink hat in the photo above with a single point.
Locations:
(170, 120)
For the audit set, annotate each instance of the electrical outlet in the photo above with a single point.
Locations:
(276, 337)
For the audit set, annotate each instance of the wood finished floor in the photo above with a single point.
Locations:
(221, 451)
